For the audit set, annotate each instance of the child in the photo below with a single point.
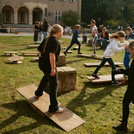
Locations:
(75, 40)
(40, 31)
(94, 33)
(104, 37)
(129, 35)
(109, 52)
(129, 95)
(50, 50)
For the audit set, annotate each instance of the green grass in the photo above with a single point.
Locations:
(100, 105)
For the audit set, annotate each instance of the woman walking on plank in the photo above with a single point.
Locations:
(50, 51)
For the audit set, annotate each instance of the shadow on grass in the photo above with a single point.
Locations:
(94, 98)
(22, 108)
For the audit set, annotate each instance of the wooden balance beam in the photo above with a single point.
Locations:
(10, 53)
(106, 64)
(15, 59)
(30, 53)
(33, 46)
(75, 48)
(66, 120)
(99, 57)
(107, 79)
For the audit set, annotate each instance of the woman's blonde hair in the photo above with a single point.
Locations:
(53, 30)
(118, 34)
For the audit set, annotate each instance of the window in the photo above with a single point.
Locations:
(62, 0)
(57, 16)
(22, 17)
(45, 12)
(7, 16)
(71, 0)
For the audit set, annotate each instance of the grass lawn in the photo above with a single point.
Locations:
(100, 105)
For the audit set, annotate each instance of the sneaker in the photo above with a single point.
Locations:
(116, 82)
(95, 75)
(59, 110)
(122, 127)
(65, 53)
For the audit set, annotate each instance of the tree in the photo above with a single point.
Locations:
(69, 18)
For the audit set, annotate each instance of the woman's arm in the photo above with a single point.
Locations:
(52, 62)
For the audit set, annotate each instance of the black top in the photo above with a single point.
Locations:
(75, 35)
(45, 27)
(130, 73)
(36, 27)
(106, 35)
(52, 46)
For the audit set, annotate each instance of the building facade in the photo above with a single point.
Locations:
(26, 12)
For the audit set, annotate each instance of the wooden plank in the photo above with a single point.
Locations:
(33, 46)
(75, 48)
(10, 53)
(107, 78)
(30, 53)
(15, 59)
(99, 57)
(66, 120)
(69, 51)
(106, 64)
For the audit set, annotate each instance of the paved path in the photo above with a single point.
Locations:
(31, 34)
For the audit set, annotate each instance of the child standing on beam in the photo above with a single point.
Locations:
(50, 51)
(109, 52)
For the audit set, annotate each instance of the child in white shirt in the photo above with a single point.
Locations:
(109, 52)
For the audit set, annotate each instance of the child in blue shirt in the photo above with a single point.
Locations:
(75, 40)
(130, 35)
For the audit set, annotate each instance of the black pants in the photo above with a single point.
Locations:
(128, 98)
(72, 43)
(53, 89)
(35, 35)
(111, 63)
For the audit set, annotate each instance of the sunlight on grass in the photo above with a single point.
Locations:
(100, 105)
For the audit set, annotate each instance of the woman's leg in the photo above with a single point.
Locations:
(79, 44)
(53, 93)
(126, 101)
(110, 61)
(103, 42)
(42, 85)
(100, 66)
(71, 44)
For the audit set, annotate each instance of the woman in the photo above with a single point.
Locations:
(36, 29)
(50, 50)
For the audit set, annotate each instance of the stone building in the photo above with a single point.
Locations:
(21, 13)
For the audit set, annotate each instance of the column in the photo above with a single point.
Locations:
(15, 18)
(30, 19)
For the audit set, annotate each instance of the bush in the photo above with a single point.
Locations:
(69, 18)
(112, 23)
